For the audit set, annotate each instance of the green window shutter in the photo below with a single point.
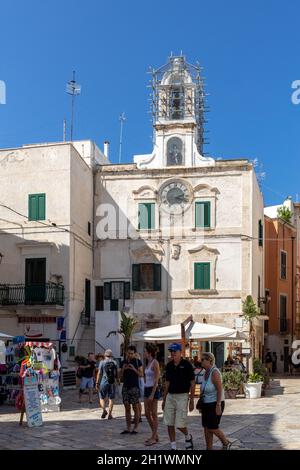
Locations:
(37, 206)
(202, 276)
(107, 290)
(41, 206)
(135, 277)
(126, 290)
(32, 207)
(157, 277)
(146, 216)
(151, 216)
(202, 214)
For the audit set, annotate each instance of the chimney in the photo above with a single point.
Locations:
(106, 149)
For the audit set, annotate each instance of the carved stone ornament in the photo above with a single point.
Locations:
(176, 249)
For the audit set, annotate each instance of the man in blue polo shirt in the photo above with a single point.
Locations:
(178, 395)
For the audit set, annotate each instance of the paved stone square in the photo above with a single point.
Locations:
(271, 422)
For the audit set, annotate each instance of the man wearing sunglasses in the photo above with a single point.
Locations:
(178, 396)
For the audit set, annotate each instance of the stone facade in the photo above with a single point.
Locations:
(63, 172)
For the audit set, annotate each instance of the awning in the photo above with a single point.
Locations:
(195, 330)
(5, 336)
(39, 344)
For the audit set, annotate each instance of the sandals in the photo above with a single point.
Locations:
(189, 445)
(228, 446)
(128, 432)
(151, 442)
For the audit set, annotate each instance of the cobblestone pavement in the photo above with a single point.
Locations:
(271, 422)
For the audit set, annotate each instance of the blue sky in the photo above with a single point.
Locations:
(249, 51)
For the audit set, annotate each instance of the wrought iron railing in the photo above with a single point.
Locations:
(34, 294)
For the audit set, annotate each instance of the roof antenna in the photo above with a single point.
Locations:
(122, 119)
(73, 89)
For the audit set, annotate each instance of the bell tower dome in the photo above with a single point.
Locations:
(177, 107)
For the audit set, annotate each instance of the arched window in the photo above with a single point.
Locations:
(176, 102)
(174, 152)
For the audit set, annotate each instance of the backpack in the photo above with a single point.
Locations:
(109, 369)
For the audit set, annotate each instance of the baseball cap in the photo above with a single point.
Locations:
(174, 347)
(108, 353)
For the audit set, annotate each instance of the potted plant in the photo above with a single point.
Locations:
(127, 326)
(232, 381)
(250, 312)
(259, 368)
(253, 386)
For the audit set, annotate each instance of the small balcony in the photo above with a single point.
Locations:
(34, 294)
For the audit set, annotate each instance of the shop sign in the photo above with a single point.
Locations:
(32, 401)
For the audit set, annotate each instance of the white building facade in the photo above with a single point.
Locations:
(46, 239)
(177, 232)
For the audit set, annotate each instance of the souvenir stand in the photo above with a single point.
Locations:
(10, 381)
(40, 380)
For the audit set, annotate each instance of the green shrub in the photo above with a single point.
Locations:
(232, 379)
(259, 368)
(255, 377)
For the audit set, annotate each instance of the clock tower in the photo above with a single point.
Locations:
(178, 117)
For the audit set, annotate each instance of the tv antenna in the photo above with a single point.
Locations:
(122, 119)
(73, 89)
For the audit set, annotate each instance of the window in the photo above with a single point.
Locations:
(174, 152)
(176, 102)
(37, 206)
(146, 277)
(283, 259)
(146, 216)
(116, 290)
(202, 214)
(260, 233)
(202, 276)
(35, 281)
(283, 313)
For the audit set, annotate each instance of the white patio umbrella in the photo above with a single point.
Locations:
(5, 336)
(195, 330)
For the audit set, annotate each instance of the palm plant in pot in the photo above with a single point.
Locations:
(232, 381)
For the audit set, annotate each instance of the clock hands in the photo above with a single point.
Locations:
(181, 198)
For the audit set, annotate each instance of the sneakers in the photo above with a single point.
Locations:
(189, 445)
(109, 416)
(104, 414)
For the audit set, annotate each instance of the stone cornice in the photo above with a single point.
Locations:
(200, 248)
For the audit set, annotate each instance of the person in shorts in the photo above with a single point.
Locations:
(87, 369)
(178, 396)
(131, 370)
(107, 377)
(213, 402)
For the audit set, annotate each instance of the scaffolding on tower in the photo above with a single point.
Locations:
(178, 98)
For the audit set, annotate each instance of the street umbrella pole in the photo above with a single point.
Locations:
(183, 337)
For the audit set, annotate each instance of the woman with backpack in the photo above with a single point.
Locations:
(107, 377)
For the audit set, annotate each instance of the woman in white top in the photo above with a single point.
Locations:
(151, 392)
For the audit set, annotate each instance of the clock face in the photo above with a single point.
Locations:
(175, 196)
